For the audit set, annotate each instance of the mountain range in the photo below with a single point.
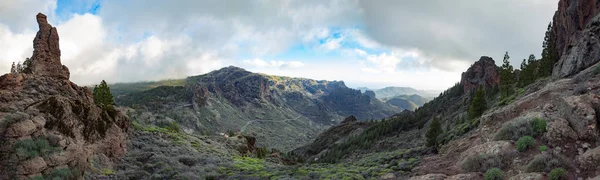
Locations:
(277, 110)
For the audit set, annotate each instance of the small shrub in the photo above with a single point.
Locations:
(481, 163)
(539, 126)
(30, 148)
(597, 70)
(558, 174)
(521, 127)
(64, 173)
(546, 162)
(543, 148)
(494, 174)
(525, 143)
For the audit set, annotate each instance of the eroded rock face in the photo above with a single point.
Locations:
(571, 17)
(483, 72)
(590, 159)
(46, 53)
(44, 108)
(576, 30)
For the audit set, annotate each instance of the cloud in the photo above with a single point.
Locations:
(359, 41)
(460, 30)
(258, 63)
(19, 15)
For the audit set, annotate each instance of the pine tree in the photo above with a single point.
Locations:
(102, 95)
(27, 66)
(478, 104)
(19, 67)
(13, 68)
(435, 129)
(549, 54)
(506, 77)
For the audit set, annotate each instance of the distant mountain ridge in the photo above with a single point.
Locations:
(231, 97)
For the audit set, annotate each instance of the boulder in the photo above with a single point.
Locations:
(581, 116)
(527, 176)
(468, 176)
(429, 177)
(590, 160)
(489, 148)
(21, 128)
(559, 132)
(31, 166)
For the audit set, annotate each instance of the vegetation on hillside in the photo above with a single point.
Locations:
(102, 95)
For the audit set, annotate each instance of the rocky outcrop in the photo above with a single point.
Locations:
(483, 72)
(46, 53)
(349, 119)
(590, 160)
(576, 30)
(49, 123)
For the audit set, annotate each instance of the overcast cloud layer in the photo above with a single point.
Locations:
(421, 44)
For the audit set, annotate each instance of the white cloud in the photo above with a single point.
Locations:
(332, 43)
(259, 63)
(380, 41)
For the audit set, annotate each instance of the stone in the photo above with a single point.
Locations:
(429, 177)
(559, 132)
(21, 128)
(590, 160)
(468, 176)
(581, 116)
(39, 121)
(388, 176)
(32, 166)
(489, 148)
(46, 51)
(527, 176)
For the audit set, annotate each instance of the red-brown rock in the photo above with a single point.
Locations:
(46, 51)
(576, 29)
(483, 72)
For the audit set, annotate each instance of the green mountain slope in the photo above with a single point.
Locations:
(282, 112)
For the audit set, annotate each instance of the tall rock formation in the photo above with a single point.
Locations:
(46, 53)
(483, 72)
(576, 30)
(49, 125)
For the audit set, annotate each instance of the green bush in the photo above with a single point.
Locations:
(543, 148)
(521, 127)
(30, 148)
(64, 173)
(525, 143)
(558, 174)
(597, 70)
(546, 162)
(494, 174)
(481, 163)
(539, 126)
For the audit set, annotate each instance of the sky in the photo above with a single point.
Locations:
(420, 44)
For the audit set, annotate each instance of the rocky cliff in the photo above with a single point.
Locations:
(482, 72)
(49, 126)
(576, 29)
